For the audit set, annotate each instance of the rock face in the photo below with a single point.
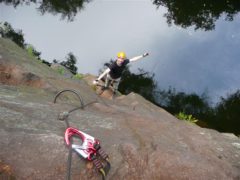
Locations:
(61, 69)
(142, 140)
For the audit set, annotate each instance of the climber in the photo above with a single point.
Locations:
(114, 71)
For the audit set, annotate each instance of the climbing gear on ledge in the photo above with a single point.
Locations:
(90, 148)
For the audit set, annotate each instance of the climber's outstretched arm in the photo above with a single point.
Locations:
(138, 57)
(101, 76)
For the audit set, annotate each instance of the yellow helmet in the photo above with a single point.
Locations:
(121, 55)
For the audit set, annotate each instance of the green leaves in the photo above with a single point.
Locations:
(197, 13)
(78, 76)
(186, 117)
(6, 31)
(70, 63)
(33, 52)
(67, 8)
(227, 114)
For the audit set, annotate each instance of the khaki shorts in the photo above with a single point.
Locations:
(115, 82)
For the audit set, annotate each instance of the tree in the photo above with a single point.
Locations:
(16, 36)
(70, 63)
(191, 104)
(227, 112)
(46, 62)
(176, 102)
(67, 8)
(142, 83)
(199, 13)
(33, 52)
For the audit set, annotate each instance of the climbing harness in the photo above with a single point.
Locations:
(90, 148)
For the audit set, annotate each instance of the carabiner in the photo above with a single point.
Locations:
(86, 149)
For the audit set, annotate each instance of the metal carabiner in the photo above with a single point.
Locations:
(86, 149)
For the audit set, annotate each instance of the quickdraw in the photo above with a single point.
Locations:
(90, 149)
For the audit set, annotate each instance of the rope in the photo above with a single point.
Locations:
(79, 97)
(65, 119)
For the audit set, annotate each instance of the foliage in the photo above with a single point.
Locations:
(33, 52)
(46, 62)
(60, 70)
(142, 83)
(16, 36)
(175, 102)
(7, 31)
(202, 14)
(67, 8)
(78, 76)
(70, 63)
(225, 117)
(186, 117)
(55, 61)
(227, 114)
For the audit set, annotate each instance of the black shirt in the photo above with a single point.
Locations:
(116, 71)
